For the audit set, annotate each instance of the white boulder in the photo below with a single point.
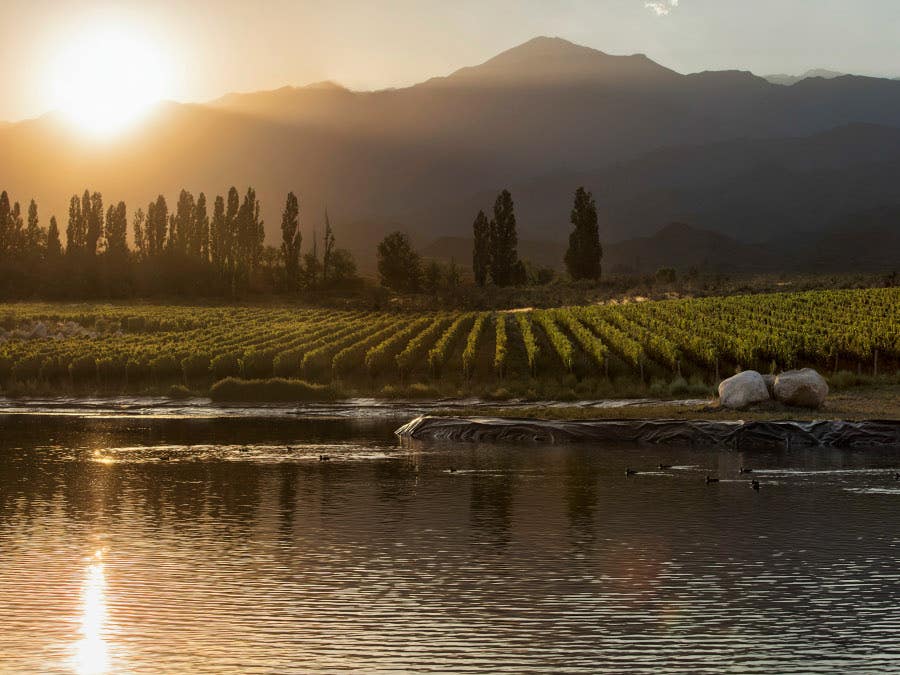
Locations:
(803, 388)
(745, 388)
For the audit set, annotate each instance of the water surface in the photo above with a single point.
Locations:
(209, 544)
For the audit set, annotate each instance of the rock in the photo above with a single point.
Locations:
(803, 388)
(743, 389)
(770, 384)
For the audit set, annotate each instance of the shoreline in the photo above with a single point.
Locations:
(855, 404)
(735, 435)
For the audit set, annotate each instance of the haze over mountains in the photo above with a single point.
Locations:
(727, 151)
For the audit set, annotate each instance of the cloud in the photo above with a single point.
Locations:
(661, 7)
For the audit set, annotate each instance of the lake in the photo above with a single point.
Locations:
(137, 537)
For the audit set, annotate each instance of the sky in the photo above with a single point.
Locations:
(203, 49)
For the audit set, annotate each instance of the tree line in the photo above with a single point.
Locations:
(186, 249)
(495, 257)
(192, 249)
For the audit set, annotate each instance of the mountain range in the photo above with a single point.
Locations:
(724, 151)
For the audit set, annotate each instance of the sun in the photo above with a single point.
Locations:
(107, 79)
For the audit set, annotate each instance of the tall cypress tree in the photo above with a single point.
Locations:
(230, 234)
(199, 245)
(291, 239)
(328, 250)
(34, 236)
(54, 246)
(140, 234)
(75, 230)
(92, 212)
(504, 240)
(116, 230)
(216, 233)
(17, 225)
(481, 250)
(181, 233)
(5, 224)
(156, 226)
(584, 252)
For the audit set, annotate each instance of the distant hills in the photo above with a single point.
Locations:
(788, 80)
(868, 241)
(726, 152)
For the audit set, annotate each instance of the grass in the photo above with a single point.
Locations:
(273, 390)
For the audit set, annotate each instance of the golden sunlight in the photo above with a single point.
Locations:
(107, 79)
(91, 657)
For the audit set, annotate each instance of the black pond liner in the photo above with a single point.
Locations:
(780, 434)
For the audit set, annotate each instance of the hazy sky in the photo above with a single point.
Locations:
(210, 47)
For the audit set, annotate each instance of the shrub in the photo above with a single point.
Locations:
(274, 389)
(419, 390)
(679, 387)
(179, 391)
(225, 365)
(391, 391)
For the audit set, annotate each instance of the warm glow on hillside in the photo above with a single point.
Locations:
(105, 80)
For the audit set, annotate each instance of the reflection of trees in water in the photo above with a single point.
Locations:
(288, 476)
(580, 488)
(395, 480)
(491, 498)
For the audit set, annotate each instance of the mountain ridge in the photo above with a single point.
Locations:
(428, 156)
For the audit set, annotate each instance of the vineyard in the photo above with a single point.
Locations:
(145, 347)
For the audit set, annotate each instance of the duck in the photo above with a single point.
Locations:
(452, 469)
(630, 472)
(324, 458)
(664, 466)
(243, 448)
(755, 485)
(897, 475)
(710, 479)
(746, 470)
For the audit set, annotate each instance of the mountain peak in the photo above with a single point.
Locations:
(549, 60)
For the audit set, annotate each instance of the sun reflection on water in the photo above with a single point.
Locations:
(91, 652)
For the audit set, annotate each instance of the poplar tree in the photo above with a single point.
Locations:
(6, 226)
(54, 246)
(34, 235)
(328, 251)
(584, 252)
(291, 239)
(140, 236)
(216, 232)
(92, 212)
(199, 247)
(75, 230)
(155, 226)
(481, 251)
(116, 230)
(504, 241)
(181, 224)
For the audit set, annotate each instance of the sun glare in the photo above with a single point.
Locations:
(106, 80)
